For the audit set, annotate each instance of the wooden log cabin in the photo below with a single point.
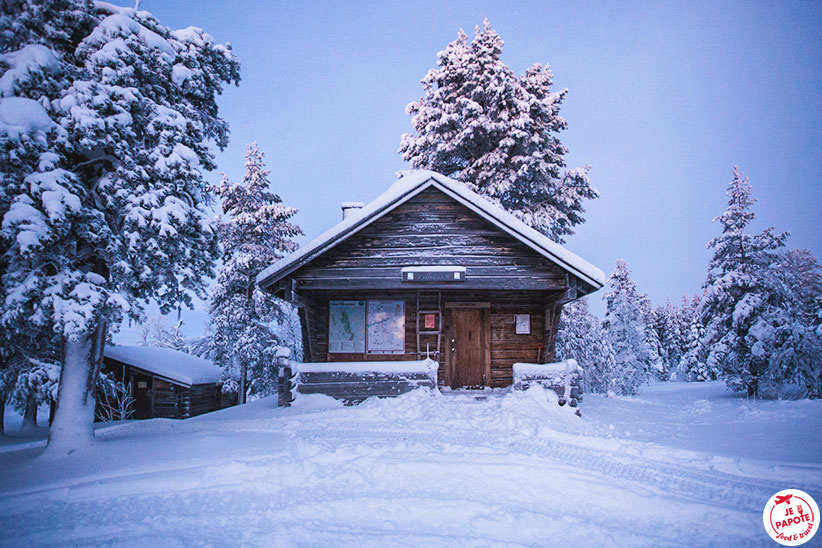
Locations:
(431, 268)
(166, 383)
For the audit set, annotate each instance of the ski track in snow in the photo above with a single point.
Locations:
(460, 473)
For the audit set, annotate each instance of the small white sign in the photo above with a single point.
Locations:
(523, 324)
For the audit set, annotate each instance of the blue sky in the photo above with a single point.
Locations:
(665, 98)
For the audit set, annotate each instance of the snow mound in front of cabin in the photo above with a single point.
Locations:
(522, 411)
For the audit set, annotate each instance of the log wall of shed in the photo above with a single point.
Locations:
(170, 400)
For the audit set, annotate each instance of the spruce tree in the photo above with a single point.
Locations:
(498, 133)
(655, 366)
(693, 365)
(254, 233)
(794, 343)
(666, 325)
(625, 330)
(580, 337)
(740, 293)
(108, 119)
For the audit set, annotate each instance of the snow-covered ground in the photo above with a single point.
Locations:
(679, 465)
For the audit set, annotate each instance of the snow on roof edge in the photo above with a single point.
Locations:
(413, 182)
(166, 362)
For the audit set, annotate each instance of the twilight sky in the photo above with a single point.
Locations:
(665, 98)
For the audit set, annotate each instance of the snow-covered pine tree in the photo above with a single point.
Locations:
(625, 331)
(801, 278)
(254, 233)
(37, 384)
(693, 365)
(656, 366)
(497, 133)
(795, 348)
(580, 337)
(739, 293)
(665, 324)
(108, 118)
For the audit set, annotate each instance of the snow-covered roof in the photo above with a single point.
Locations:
(412, 183)
(164, 362)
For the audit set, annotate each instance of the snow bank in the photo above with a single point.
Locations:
(165, 362)
(523, 371)
(565, 375)
(426, 366)
(423, 469)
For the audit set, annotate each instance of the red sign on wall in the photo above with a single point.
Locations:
(430, 321)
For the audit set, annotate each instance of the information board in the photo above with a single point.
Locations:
(346, 327)
(386, 327)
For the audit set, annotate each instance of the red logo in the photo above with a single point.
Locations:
(791, 517)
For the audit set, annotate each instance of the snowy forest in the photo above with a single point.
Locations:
(123, 208)
(107, 119)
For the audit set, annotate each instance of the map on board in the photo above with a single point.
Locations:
(386, 327)
(346, 326)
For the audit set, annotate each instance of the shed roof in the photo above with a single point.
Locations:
(412, 183)
(164, 362)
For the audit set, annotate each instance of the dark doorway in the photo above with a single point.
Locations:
(143, 388)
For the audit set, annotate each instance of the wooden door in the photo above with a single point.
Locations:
(142, 389)
(468, 338)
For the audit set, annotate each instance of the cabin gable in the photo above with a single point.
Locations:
(430, 229)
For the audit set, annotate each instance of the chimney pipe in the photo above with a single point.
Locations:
(349, 208)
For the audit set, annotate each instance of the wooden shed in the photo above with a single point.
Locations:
(166, 383)
(432, 269)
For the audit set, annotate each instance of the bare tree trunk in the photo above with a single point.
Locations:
(73, 425)
(243, 380)
(3, 414)
(30, 415)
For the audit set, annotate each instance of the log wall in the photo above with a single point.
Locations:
(430, 229)
(506, 346)
(355, 387)
(204, 398)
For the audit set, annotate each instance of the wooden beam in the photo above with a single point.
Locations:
(550, 326)
(498, 283)
(308, 351)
